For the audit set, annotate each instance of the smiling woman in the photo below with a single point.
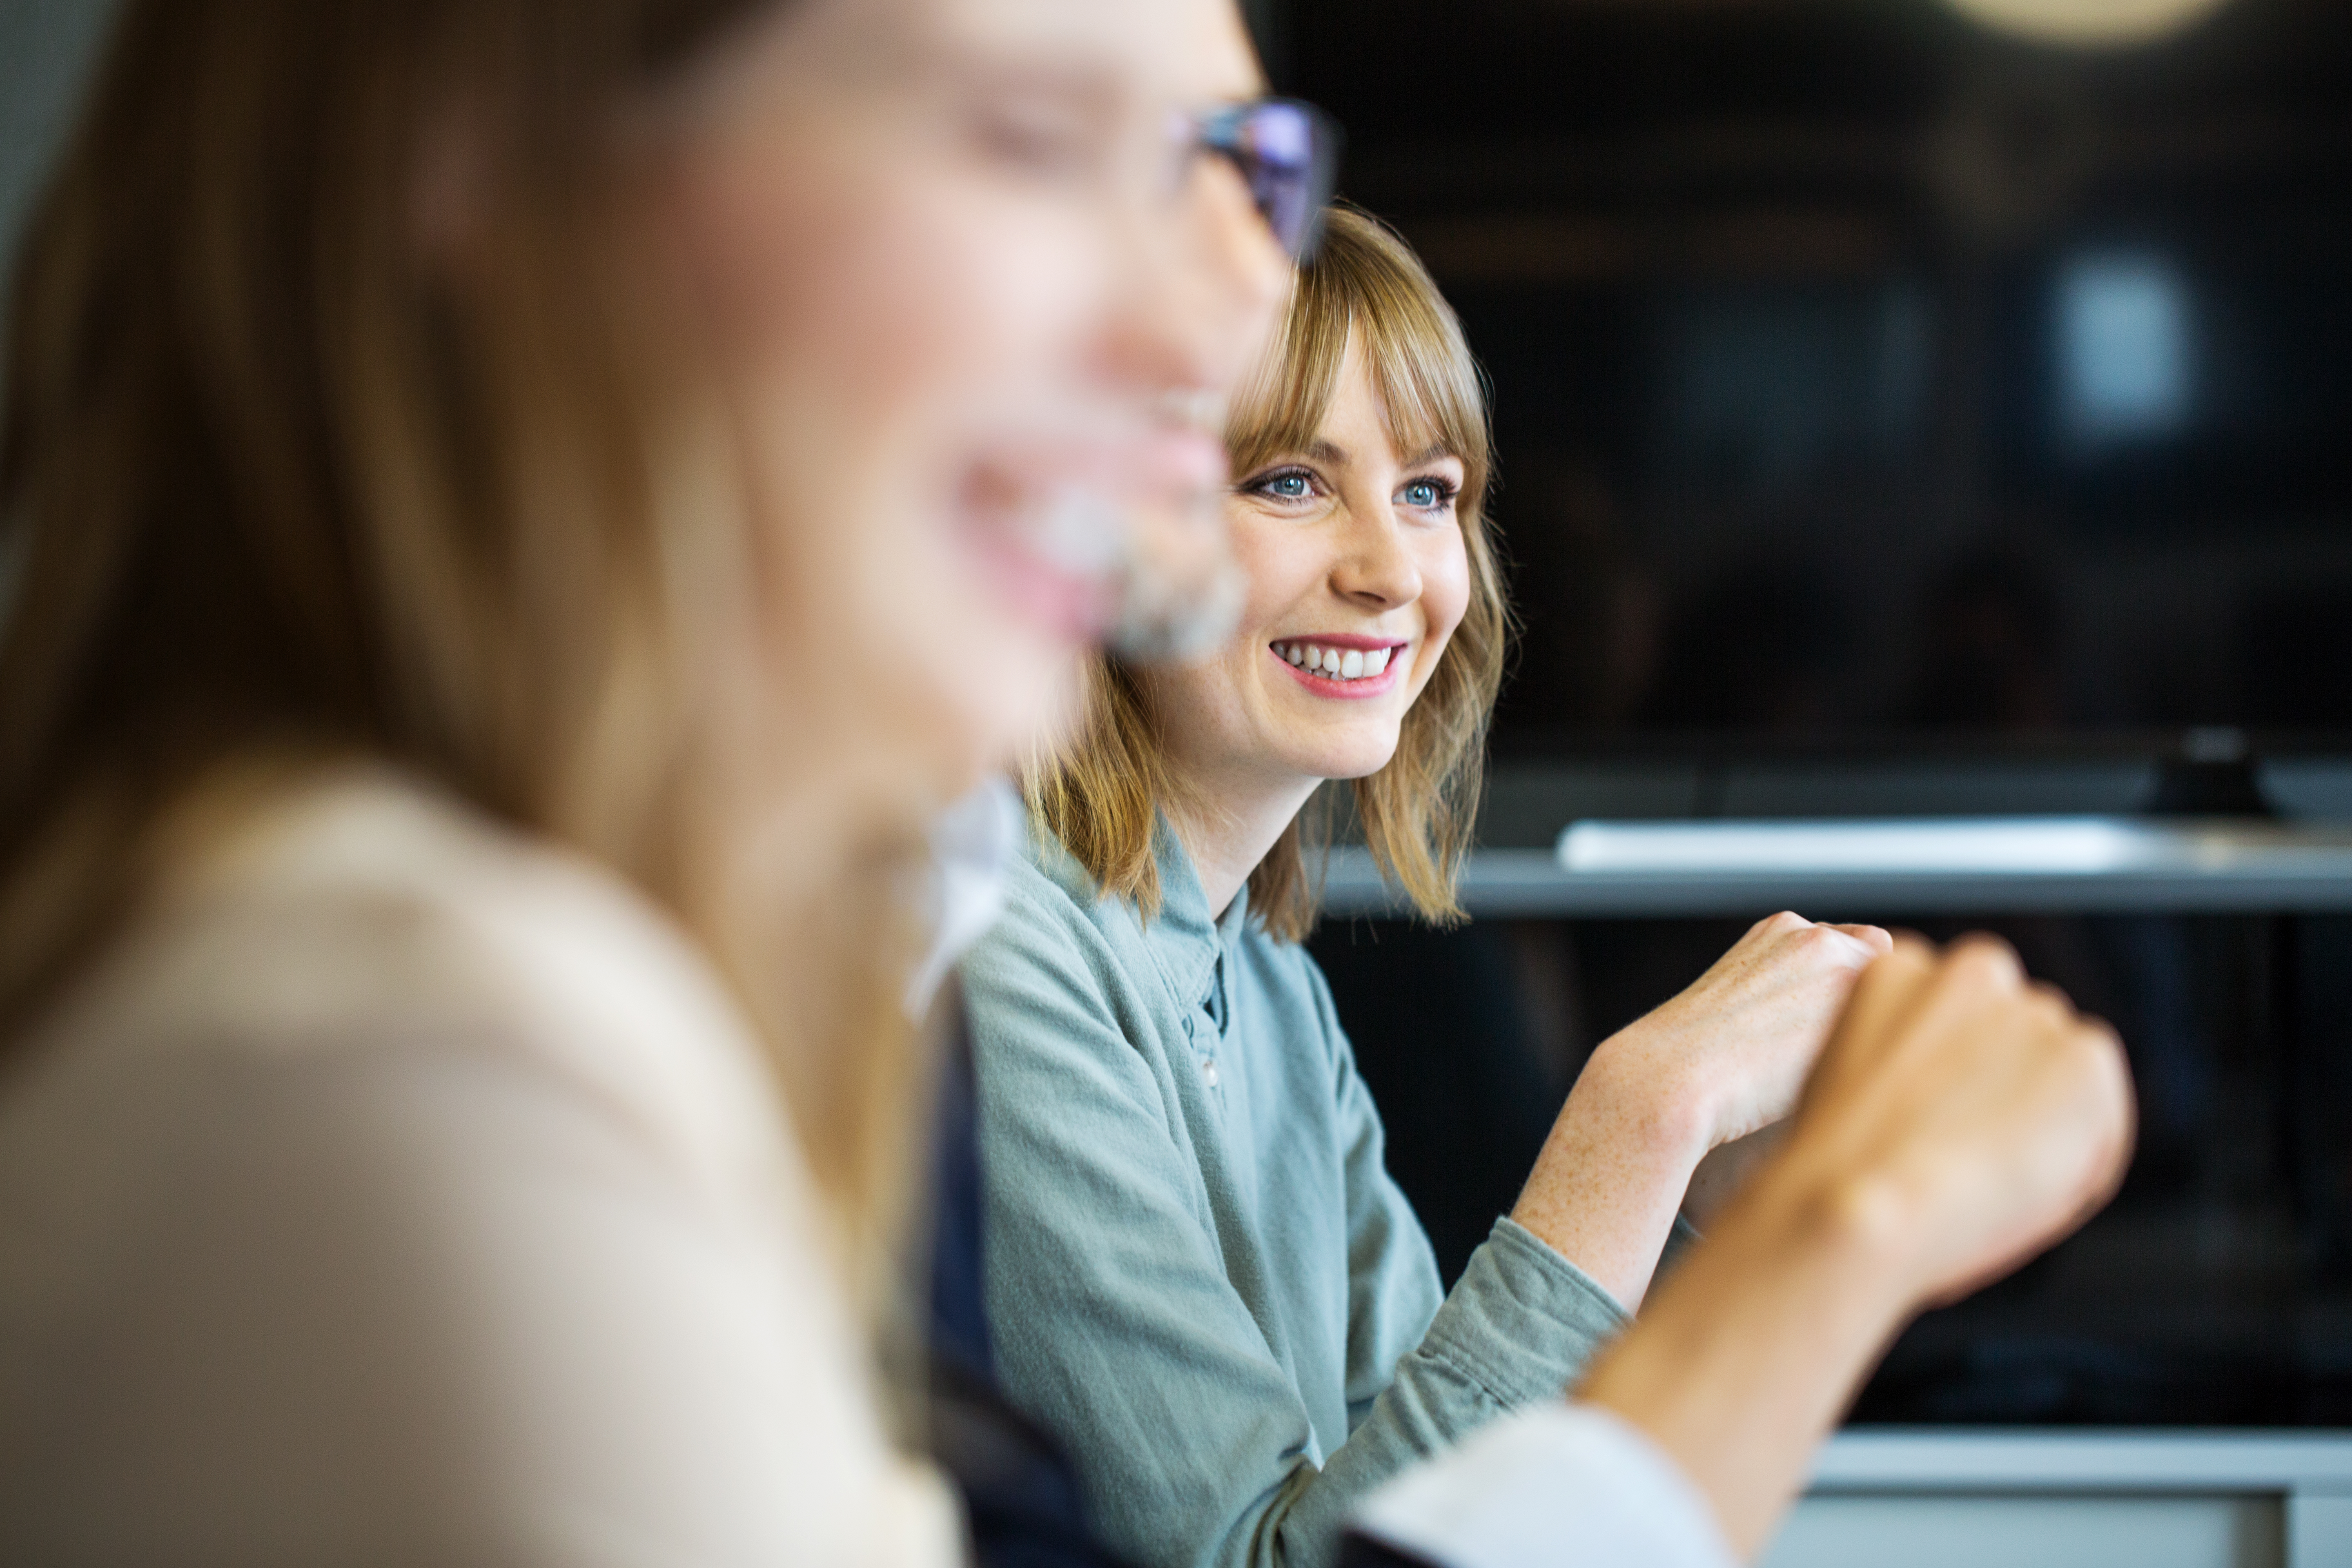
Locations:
(1204, 1280)
(1381, 566)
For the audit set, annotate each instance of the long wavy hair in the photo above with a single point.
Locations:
(279, 487)
(1100, 793)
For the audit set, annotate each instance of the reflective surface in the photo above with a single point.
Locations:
(1859, 370)
(2216, 1292)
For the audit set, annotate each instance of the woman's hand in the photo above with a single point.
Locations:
(1719, 1061)
(1961, 1118)
(1731, 1052)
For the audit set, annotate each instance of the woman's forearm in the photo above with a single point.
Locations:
(1606, 1187)
(1741, 1399)
(1721, 1060)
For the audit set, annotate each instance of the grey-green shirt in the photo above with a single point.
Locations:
(1201, 1277)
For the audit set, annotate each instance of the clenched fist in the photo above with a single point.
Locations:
(1959, 1119)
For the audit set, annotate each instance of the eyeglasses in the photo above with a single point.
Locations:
(1287, 153)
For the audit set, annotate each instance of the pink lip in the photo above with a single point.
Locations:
(1347, 691)
(1178, 460)
(1072, 609)
(1346, 640)
(1076, 603)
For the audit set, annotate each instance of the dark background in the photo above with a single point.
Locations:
(2216, 1291)
(1859, 373)
(1873, 391)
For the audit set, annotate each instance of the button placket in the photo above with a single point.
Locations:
(1201, 1031)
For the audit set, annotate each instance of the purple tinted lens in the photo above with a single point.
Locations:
(1288, 153)
(1282, 133)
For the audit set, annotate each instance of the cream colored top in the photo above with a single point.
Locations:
(403, 1192)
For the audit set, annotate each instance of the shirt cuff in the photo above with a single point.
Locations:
(1523, 1321)
(1679, 1241)
(1555, 1483)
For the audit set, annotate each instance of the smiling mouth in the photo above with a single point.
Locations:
(1333, 663)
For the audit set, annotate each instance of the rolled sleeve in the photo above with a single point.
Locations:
(1523, 1321)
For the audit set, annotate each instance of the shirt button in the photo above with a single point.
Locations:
(1208, 1071)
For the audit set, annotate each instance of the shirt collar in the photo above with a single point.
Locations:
(1186, 939)
(972, 844)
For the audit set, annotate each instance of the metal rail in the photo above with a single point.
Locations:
(1892, 867)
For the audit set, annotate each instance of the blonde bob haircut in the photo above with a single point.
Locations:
(1100, 794)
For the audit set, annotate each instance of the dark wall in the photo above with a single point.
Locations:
(1859, 372)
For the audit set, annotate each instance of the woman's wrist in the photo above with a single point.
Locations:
(1606, 1187)
(1853, 1231)
(1741, 1399)
(1649, 1082)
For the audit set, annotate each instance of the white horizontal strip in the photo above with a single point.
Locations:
(1986, 846)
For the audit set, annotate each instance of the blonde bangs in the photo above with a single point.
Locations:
(1431, 394)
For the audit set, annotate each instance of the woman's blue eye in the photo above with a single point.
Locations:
(1427, 494)
(1286, 487)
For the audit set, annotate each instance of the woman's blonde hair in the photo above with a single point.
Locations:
(278, 482)
(1101, 793)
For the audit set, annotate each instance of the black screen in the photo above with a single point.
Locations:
(2216, 1291)
(1859, 373)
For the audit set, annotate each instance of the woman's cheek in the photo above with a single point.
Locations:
(1283, 558)
(1445, 586)
(1026, 277)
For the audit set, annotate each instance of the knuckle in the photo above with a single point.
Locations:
(1981, 956)
(2049, 1006)
(1912, 948)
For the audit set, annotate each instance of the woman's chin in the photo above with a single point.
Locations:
(1344, 762)
(992, 712)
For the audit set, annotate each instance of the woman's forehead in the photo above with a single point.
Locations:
(1180, 52)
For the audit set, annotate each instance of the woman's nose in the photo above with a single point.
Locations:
(1376, 570)
(1204, 287)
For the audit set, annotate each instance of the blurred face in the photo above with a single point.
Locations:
(974, 318)
(1357, 576)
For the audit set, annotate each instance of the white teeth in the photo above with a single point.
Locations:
(1334, 665)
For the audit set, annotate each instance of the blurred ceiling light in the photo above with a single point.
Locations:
(2089, 23)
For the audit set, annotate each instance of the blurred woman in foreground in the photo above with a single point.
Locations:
(519, 512)
(516, 511)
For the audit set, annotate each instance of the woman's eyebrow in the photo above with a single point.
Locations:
(1430, 455)
(1072, 75)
